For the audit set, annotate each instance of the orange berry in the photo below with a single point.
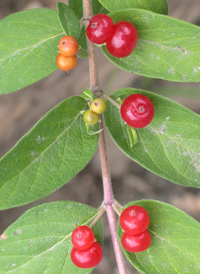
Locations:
(68, 46)
(66, 63)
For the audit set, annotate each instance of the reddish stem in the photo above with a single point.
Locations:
(94, 79)
(108, 193)
(109, 200)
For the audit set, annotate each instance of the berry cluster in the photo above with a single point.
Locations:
(86, 252)
(68, 47)
(137, 110)
(134, 220)
(98, 106)
(120, 38)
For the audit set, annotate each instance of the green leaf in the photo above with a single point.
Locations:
(83, 54)
(47, 157)
(40, 240)
(68, 20)
(175, 245)
(169, 146)
(97, 7)
(77, 7)
(167, 48)
(28, 48)
(185, 91)
(158, 6)
(82, 41)
(88, 95)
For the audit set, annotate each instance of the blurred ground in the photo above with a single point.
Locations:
(19, 111)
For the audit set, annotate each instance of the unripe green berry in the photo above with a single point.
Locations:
(90, 117)
(98, 105)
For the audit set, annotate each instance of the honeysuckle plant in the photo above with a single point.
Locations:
(61, 144)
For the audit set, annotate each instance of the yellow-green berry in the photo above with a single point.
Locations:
(90, 117)
(98, 105)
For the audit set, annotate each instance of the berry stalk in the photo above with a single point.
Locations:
(101, 211)
(108, 193)
(111, 100)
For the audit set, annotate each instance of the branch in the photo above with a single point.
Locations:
(108, 193)
(93, 67)
(109, 200)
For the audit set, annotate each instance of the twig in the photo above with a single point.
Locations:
(94, 79)
(108, 193)
(109, 201)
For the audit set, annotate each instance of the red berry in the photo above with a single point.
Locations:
(137, 110)
(66, 63)
(123, 39)
(100, 28)
(68, 46)
(87, 258)
(134, 219)
(136, 243)
(82, 237)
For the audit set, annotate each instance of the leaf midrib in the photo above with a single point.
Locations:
(42, 152)
(174, 141)
(168, 47)
(51, 248)
(30, 47)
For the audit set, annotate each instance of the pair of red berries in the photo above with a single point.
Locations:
(134, 220)
(120, 38)
(86, 252)
(68, 47)
(137, 110)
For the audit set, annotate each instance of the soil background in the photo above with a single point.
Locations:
(20, 110)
